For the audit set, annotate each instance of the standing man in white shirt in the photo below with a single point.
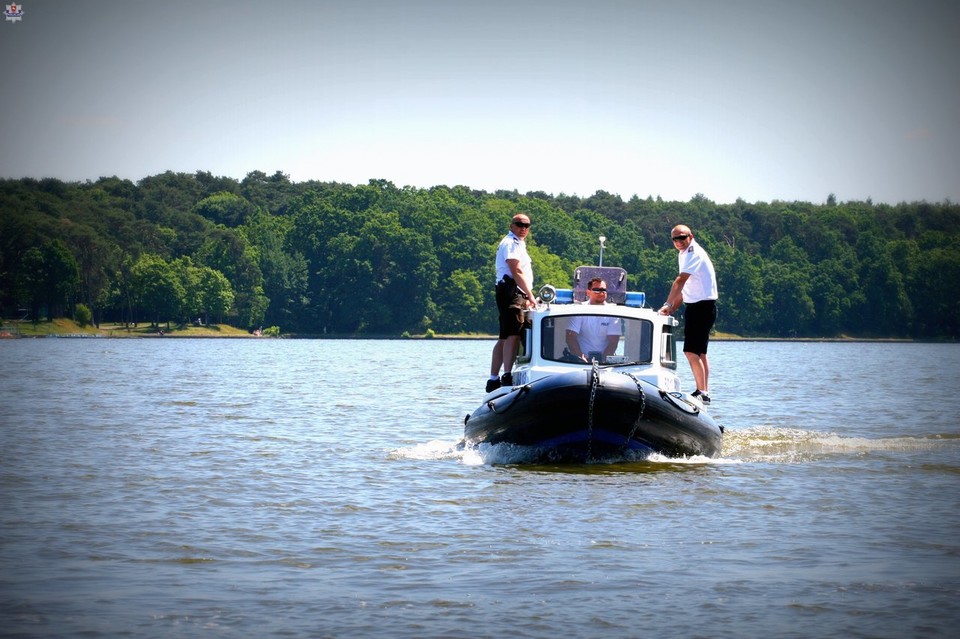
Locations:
(514, 295)
(696, 286)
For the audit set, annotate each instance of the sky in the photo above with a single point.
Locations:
(759, 100)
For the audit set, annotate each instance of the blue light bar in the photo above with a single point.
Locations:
(634, 298)
(564, 296)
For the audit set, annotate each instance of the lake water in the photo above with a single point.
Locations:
(286, 488)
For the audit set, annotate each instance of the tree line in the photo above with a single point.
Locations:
(331, 258)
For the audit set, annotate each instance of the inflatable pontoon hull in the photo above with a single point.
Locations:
(592, 414)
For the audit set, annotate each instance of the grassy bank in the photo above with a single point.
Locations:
(68, 328)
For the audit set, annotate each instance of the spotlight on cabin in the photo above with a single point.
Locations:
(547, 293)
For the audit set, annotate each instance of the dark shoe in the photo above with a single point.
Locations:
(506, 379)
(493, 384)
(703, 397)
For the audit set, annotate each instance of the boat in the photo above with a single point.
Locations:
(626, 403)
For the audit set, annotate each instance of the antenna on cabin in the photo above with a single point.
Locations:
(602, 240)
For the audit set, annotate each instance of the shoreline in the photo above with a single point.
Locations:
(447, 338)
(67, 329)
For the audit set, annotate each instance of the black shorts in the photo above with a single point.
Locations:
(511, 303)
(699, 319)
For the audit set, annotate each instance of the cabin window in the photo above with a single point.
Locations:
(523, 353)
(608, 339)
(668, 348)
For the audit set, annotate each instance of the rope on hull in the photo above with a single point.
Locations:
(594, 384)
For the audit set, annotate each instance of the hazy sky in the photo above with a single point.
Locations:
(752, 99)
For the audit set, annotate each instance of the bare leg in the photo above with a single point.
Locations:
(511, 346)
(706, 372)
(496, 358)
(697, 366)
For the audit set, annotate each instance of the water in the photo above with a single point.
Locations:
(236, 488)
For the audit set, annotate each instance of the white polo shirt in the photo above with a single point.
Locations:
(593, 330)
(702, 283)
(513, 248)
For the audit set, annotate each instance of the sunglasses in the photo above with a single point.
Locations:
(523, 225)
(679, 238)
(599, 290)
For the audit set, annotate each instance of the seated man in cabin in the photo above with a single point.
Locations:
(593, 336)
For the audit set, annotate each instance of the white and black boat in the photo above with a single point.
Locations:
(624, 404)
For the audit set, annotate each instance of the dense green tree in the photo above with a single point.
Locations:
(228, 251)
(548, 269)
(158, 289)
(887, 310)
(835, 291)
(791, 311)
(934, 287)
(343, 283)
(460, 304)
(315, 256)
(559, 232)
(48, 279)
(92, 252)
(270, 193)
(210, 184)
(216, 294)
(206, 292)
(741, 282)
(402, 275)
(228, 209)
(83, 315)
(284, 269)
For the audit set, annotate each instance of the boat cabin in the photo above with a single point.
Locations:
(566, 332)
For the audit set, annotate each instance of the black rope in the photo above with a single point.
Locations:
(594, 383)
(643, 407)
(493, 408)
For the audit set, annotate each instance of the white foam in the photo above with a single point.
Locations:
(757, 444)
(770, 443)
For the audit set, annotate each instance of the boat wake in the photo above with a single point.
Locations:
(792, 445)
(760, 444)
(505, 454)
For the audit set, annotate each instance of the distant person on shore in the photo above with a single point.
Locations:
(696, 286)
(587, 334)
(514, 295)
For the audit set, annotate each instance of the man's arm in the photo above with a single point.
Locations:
(675, 297)
(573, 344)
(612, 342)
(520, 278)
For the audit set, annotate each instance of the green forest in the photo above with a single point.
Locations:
(327, 258)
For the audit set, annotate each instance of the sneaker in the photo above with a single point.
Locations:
(506, 379)
(703, 397)
(493, 384)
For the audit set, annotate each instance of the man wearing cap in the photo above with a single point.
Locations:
(696, 286)
(514, 296)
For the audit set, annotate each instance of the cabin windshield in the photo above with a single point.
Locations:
(604, 338)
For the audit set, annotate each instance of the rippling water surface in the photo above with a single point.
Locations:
(240, 488)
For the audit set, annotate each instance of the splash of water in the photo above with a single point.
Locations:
(765, 444)
(789, 445)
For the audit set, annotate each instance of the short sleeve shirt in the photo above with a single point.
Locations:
(592, 331)
(702, 283)
(513, 248)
